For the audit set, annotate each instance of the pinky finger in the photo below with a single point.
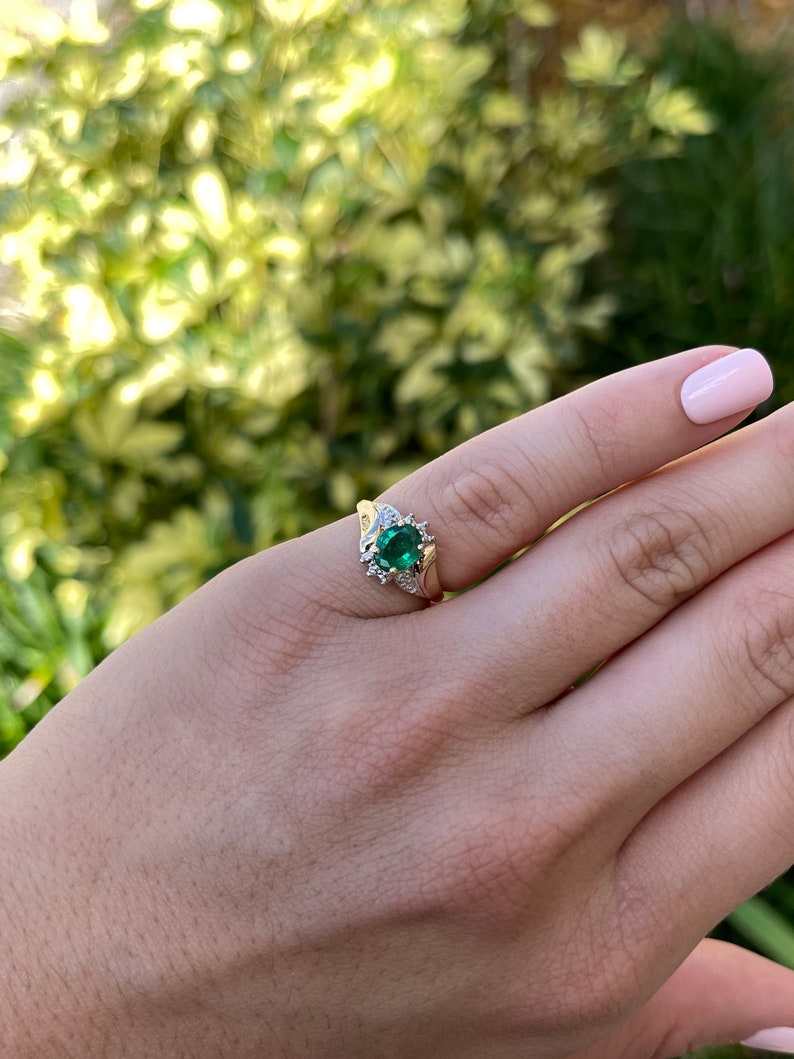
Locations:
(720, 994)
(719, 837)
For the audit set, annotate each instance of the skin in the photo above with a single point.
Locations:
(306, 815)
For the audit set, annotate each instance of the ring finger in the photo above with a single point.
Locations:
(613, 571)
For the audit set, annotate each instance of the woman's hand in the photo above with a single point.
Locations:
(306, 815)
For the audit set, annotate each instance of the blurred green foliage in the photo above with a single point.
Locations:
(263, 259)
(701, 245)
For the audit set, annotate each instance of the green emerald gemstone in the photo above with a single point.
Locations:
(398, 548)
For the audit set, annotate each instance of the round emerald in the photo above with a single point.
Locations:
(398, 547)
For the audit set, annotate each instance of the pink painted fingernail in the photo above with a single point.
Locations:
(726, 386)
(780, 1039)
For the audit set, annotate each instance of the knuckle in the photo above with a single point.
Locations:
(617, 954)
(382, 751)
(602, 991)
(580, 990)
(258, 650)
(491, 495)
(766, 639)
(497, 860)
(662, 556)
(592, 980)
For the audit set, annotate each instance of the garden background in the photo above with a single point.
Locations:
(260, 259)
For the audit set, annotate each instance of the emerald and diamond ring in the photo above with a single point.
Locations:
(397, 548)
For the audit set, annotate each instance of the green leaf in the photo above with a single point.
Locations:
(601, 58)
(536, 13)
(676, 110)
(765, 928)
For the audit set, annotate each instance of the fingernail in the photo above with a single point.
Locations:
(780, 1039)
(726, 386)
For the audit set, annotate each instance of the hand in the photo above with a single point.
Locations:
(306, 815)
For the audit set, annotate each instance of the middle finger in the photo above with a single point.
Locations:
(613, 571)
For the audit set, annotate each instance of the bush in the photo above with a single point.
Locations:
(701, 246)
(264, 260)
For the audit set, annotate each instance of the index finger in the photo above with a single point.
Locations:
(495, 494)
